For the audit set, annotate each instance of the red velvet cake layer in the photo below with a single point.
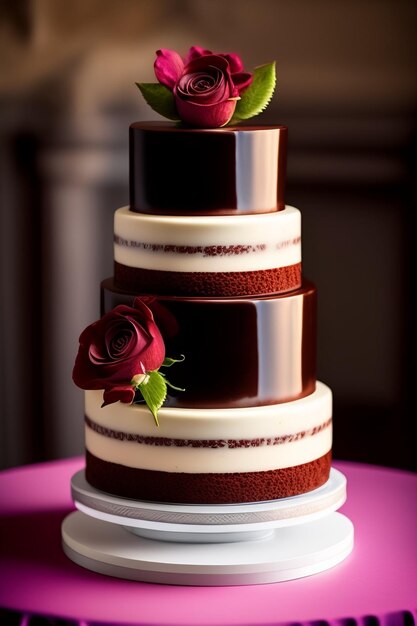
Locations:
(186, 488)
(213, 284)
(239, 352)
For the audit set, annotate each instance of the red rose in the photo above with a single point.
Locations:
(123, 343)
(205, 87)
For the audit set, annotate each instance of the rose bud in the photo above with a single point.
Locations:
(139, 379)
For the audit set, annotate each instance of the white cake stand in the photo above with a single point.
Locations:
(236, 544)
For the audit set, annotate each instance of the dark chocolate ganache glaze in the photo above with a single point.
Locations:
(189, 171)
(239, 352)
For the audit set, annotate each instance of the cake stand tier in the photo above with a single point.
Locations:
(237, 544)
(290, 552)
(208, 523)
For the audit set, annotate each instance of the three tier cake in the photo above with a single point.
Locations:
(209, 247)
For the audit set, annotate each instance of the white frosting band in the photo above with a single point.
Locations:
(186, 244)
(209, 460)
(307, 420)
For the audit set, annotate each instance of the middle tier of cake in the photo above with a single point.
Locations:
(238, 352)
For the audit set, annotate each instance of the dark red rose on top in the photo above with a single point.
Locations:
(123, 343)
(206, 86)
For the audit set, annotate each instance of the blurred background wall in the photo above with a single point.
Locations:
(347, 90)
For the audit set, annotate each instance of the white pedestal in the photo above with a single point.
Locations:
(208, 545)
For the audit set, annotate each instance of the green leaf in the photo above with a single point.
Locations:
(160, 99)
(256, 97)
(154, 392)
(168, 362)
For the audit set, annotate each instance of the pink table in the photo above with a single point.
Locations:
(377, 583)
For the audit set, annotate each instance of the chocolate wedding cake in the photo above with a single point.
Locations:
(200, 376)
(208, 244)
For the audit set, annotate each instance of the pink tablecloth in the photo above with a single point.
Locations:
(376, 584)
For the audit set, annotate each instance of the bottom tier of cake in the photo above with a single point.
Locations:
(207, 456)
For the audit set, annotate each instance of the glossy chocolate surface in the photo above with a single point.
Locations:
(184, 171)
(239, 352)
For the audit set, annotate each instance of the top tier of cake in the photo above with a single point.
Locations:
(226, 171)
(207, 214)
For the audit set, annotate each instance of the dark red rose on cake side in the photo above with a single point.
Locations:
(122, 344)
(205, 86)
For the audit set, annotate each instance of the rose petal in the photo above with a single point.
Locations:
(118, 329)
(141, 336)
(205, 115)
(164, 318)
(235, 62)
(154, 355)
(203, 62)
(96, 355)
(241, 80)
(217, 68)
(126, 342)
(84, 375)
(195, 52)
(123, 394)
(218, 87)
(140, 305)
(168, 67)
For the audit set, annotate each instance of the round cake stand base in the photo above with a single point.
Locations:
(286, 553)
(216, 523)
